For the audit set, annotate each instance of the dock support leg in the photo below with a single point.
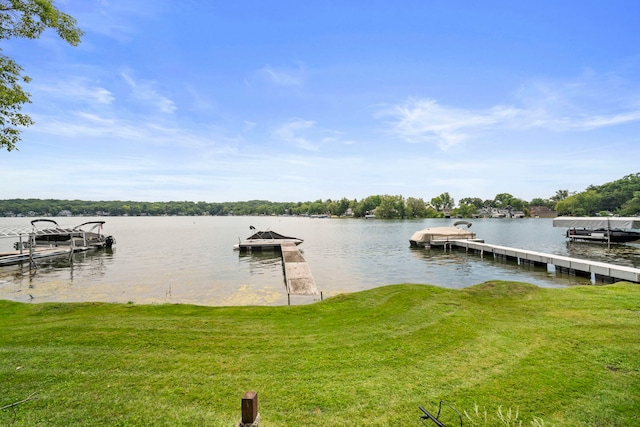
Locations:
(604, 279)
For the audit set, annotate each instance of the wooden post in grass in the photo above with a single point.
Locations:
(249, 408)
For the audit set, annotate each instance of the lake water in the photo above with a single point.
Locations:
(190, 260)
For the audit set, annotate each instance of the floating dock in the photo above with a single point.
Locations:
(600, 270)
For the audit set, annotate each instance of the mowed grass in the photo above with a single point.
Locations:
(561, 357)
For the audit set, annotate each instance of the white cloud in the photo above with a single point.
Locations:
(78, 89)
(248, 125)
(144, 91)
(294, 133)
(306, 135)
(613, 120)
(424, 120)
(116, 20)
(283, 76)
(569, 107)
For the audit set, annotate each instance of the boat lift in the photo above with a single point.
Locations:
(25, 248)
(595, 228)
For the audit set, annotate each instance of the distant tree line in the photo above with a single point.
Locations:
(621, 197)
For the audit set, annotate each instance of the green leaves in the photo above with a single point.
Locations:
(29, 19)
(12, 97)
(25, 19)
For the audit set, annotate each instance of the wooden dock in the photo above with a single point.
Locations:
(297, 274)
(600, 270)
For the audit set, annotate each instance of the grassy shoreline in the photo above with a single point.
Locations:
(569, 357)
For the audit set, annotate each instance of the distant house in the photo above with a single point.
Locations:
(542, 212)
(64, 212)
(499, 213)
(492, 213)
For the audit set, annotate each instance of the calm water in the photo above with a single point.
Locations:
(191, 260)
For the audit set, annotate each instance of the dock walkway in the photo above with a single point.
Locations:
(600, 270)
(17, 257)
(297, 273)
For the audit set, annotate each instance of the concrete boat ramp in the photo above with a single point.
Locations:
(580, 267)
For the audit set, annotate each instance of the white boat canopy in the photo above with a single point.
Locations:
(607, 223)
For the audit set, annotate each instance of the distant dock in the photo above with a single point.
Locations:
(600, 270)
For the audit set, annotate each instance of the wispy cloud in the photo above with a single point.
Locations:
(79, 125)
(283, 76)
(144, 91)
(424, 120)
(116, 20)
(77, 89)
(295, 133)
(306, 135)
(572, 106)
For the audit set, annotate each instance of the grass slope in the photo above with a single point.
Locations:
(570, 357)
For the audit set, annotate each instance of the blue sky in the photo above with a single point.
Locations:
(294, 101)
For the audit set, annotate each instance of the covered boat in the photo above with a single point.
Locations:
(424, 237)
(265, 240)
(600, 229)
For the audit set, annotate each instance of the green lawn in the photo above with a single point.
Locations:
(563, 357)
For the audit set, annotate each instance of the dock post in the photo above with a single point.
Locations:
(249, 409)
(72, 248)
(32, 263)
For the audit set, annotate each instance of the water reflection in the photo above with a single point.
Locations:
(625, 254)
(191, 260)
(261, 262)
(471, 268)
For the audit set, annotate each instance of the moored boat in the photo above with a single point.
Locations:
(87, 234)
(600, 229)
(426, 236)
(265, 240)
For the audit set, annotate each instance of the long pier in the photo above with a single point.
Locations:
(297, 273)
(601, 270)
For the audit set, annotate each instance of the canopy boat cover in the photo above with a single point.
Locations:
(425, 236)
(600, 229)
(606, 223)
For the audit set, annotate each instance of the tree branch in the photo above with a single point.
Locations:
(11, 405)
